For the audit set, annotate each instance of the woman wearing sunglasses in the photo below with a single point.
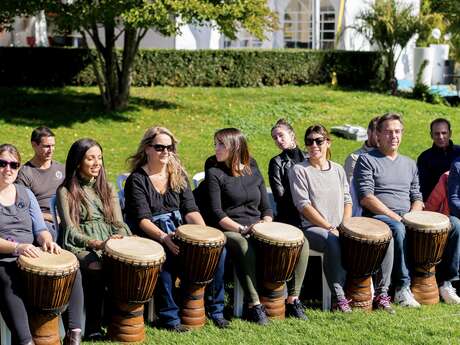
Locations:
(158, 200)
(90, 215)
(321, 194)
(22, 224)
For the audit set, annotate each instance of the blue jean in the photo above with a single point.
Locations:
(401, 276)
(448, 268)
(168, 310)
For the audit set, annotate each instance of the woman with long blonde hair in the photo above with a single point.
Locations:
(158, 200)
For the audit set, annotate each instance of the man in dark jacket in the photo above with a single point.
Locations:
(435, 161)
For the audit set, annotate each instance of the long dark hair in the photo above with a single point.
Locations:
(235, 142)
(76, 196)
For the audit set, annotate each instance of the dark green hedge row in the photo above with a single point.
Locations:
(232, 68)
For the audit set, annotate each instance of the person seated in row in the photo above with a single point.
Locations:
(438, 201)
(158, 200)
(278, 172)
(321, 194)
(238, 200)
(90, 215)
(43, 175)
(388, 187)
(21, 224)
(436, 160)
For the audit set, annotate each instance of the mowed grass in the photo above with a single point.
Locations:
(194, 114)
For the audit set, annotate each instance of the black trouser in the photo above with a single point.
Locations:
(94, 291)
(11, 304)
(13, 308)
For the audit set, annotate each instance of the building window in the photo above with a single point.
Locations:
(298, 24)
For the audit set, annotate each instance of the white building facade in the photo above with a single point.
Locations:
(312, 24)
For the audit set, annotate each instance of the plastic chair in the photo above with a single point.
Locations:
(197, 178)
(238, 293)
(53, 209)
(121, 179)
(5, 334)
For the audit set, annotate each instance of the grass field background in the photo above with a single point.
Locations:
(194, 114)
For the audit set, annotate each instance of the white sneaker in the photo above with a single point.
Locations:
(448, 293)
(405, 298)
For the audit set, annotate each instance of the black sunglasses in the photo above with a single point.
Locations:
(13, 165)
(318, 141)
(162, 148)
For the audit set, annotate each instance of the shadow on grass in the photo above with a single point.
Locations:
(64, 107)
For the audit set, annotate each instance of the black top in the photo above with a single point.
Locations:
(432, 163)
(143, 201)
(242, 198)
(278, 169)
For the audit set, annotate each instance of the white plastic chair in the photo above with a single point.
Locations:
(5, 334)
(197, 178)
(238, 293)
(357, 210)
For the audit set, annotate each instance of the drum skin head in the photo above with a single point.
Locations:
(426, 220)
(278, 233)
(193, 233)
(49, 264)
(366, 228)
(135, 250)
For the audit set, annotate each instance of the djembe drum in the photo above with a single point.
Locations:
(131, 265)
(364, 242)
(278, 248)
(427, 234)
(199, 252)
(48, 282)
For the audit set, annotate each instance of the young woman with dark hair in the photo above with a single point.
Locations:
(90, 215)
(238, 200)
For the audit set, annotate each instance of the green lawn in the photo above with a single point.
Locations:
(193, 114)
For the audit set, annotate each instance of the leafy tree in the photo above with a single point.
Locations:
(104, 21)
(390, 25)
(450, 9)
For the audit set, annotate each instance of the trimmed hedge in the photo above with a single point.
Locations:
(228, 67)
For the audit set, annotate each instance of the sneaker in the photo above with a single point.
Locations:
(94, 336)
(296, 310)
(258, 315)
(448, 293)
(405, 298)
(382, 302)
(343, 305)
(220, 322)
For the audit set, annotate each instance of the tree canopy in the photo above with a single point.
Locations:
(105, 21)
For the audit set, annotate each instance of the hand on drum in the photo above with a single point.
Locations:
(28, 250)
(169, 243)
(52, 247)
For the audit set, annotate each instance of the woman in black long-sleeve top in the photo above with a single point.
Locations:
(158, 200)
(238, 200)
(278, 168)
